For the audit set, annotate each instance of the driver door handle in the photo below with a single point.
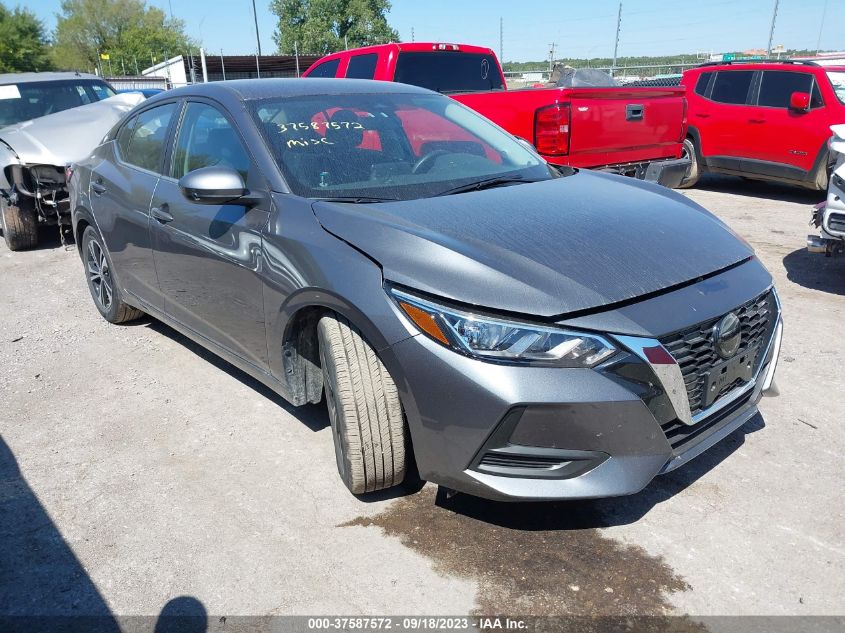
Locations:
(162, 213)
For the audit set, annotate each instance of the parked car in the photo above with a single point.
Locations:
(632, 131)
(768, 120)
(48, 119)
(829, 216)
(521, 332)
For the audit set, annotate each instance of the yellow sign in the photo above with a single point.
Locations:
(104, 55)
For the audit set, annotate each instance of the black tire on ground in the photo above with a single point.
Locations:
(823, 173)
(694, 172)
(101, 282)
(20, 225)
(368, 425)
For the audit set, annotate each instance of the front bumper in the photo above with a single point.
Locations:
(529, 433)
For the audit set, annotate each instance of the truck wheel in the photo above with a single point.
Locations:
(823, 173)
(368, 425)
(20, 225)
(101, 281)
(693, 172)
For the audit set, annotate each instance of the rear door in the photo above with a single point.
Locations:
(122, 186)
(730, 129)
(208, 256)
(786, 142)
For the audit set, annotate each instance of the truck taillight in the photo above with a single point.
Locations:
(684, 122)
(551, 129)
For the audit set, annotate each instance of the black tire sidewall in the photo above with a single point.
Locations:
(694, 173)
(335, 410)
(111, 314)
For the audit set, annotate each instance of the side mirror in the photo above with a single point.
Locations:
(799, 101)
(216, 185)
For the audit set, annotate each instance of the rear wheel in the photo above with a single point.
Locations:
(368, 425)
(693, 173)
(20, 225)
(101, 282)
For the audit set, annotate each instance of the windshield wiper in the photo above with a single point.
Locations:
(355, 199)
(487, 183)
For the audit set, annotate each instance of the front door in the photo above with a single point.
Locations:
(208, 256)
(788, 141)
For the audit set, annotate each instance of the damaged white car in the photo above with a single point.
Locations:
(48, 120)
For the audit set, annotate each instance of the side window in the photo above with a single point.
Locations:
(362, 66)
(326, 69)
(731, 86)
(146, 143)
(776, 87)
(124, 135)
(703, 83)
(206, 138)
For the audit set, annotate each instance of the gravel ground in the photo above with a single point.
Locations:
(135, 468)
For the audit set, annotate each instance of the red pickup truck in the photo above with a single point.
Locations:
(633, 131)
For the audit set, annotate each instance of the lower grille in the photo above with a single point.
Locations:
(694, 351)
(681, 436)
(836, 222)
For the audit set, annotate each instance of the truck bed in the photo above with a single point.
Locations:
(608, 126)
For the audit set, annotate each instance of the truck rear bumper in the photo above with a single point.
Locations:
(668, 173)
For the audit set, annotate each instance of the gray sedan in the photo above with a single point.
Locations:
(514, 330)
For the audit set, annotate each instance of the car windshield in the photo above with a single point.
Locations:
(25, 101)
(389, 146)
(837, 80)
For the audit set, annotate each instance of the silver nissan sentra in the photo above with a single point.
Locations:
(517, 331)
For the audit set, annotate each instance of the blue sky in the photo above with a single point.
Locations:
(580, 29)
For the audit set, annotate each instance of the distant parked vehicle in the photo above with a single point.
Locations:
(829, 216)
(583, 121)
(48, 119)
(768, 120)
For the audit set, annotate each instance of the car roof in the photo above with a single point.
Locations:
(22, 78)
(786, 64)
(248, 89)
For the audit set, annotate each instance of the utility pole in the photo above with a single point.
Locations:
(551, 56)
(616, 44)
(257, 39)
(821, 28)
(772, 30)
(222, 65)
(296, 55)
(501, 41)
(412, 33)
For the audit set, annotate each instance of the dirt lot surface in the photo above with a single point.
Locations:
(135, 467)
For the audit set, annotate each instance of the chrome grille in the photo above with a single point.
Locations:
(694, 351)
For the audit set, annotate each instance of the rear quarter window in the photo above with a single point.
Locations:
(326, 69)
(362, 66)
(731, 86)
(703, 83)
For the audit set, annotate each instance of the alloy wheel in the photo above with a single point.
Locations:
(99, 275)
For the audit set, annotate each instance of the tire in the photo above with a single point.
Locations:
(823, 173)
(101, 281)
(368, 425)
(20, 225)
(694, 172)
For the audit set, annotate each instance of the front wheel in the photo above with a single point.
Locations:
(20, 225)
(101, 281)
(693, 173)
(368, 425)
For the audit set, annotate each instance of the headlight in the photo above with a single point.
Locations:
(501, 340)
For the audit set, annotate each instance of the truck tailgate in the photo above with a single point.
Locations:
(621, 125)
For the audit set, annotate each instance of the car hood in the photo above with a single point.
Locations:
(549, 248)
(67, 136)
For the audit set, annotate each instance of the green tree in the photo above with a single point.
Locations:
(23, 42)
(125, 30)
(324, 26)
